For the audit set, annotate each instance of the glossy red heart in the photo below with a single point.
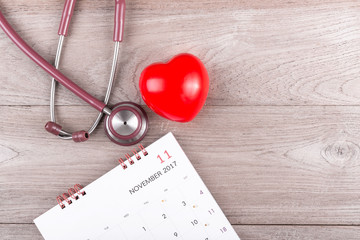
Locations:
(176, 90)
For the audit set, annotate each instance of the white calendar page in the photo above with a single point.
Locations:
(160, 196)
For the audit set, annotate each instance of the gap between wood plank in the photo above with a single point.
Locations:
(297, 225)
(245, 105)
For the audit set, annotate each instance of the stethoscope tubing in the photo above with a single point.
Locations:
(53, 81)
(63, 133)
(116, 125)
(40, 61)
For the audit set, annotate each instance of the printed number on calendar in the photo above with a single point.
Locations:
(169, 167)
(194, 222)
(166, 154)
(223, 230)
(211, 211)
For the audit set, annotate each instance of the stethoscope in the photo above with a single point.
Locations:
(126, 123)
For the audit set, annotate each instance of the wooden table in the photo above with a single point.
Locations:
(277, 142)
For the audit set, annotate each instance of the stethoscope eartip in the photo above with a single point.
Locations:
(127, 124)
(80, 136)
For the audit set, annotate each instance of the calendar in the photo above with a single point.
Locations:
(154, 194)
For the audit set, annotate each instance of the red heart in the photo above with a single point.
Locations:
(176, 90)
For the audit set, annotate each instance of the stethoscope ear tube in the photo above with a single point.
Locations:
(66, 17)
(56, 129)
(63, 134)
(67, 13)
(119, 20)
(127, 123)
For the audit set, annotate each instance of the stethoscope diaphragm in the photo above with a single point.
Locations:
(127, 124)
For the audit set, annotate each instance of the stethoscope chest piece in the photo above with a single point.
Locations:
(127, 124)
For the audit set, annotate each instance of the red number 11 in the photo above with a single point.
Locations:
(162, 161)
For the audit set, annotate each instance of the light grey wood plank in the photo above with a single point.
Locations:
(264, 165)
(297, 232)
(249, 232)
(257, 52)
(19, 231)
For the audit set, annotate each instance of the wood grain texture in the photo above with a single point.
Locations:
(277, 144)
(264, 165)
(249, 232)
(257, 52)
